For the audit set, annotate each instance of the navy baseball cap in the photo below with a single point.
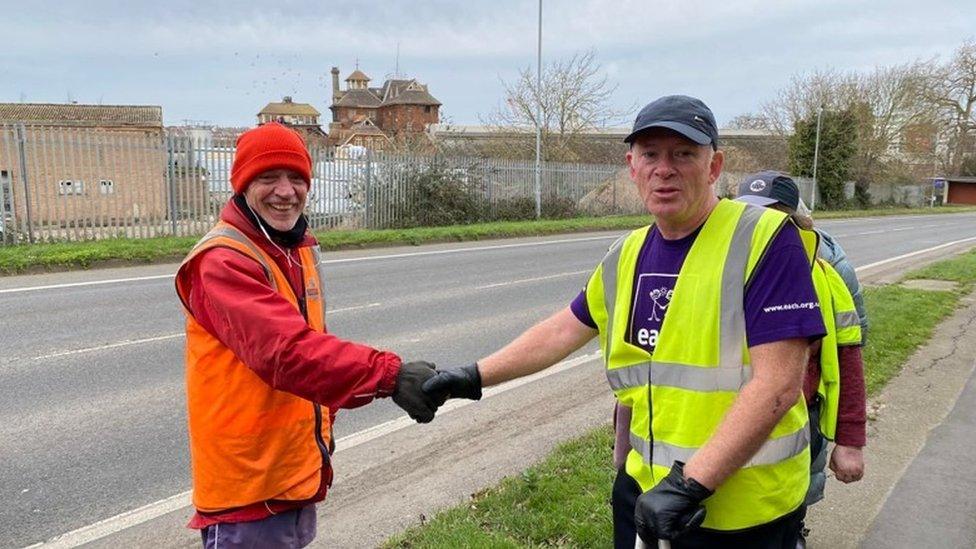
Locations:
(686, 115)
(767, 188)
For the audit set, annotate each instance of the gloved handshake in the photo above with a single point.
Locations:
(421, 389)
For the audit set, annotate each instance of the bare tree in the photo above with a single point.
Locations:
(574, 98)
(953, 91)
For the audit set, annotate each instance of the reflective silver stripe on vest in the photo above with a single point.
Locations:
(682, 376)
(610, 263)
(771, 453)
(846, 320)
(317, 257)
(732, 318)
(237, 236)
(699, 379)
(629, 377)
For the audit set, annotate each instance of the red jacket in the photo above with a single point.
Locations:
(232, 300)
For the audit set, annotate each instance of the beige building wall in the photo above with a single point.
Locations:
(86, 177)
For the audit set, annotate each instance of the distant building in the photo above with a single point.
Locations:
(84, 165)
(301, 116)
(374, 117)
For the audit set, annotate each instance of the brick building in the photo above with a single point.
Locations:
(83, 165)
(375, 117)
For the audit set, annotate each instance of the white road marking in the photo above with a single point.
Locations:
(535, 279)
(169, 336)
(109, 346)
(324, 262)
(146, 513)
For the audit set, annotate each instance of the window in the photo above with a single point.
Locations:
(5, 191)
(426, 108)
(69, 186)
(106, 186)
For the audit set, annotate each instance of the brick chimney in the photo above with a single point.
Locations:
(335, 84)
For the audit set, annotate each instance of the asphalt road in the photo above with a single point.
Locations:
(92, 413)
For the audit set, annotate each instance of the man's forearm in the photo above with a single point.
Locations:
(536, 349)
(743, 431)
(776, 386)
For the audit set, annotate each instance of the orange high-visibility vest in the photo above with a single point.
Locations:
(249, 442)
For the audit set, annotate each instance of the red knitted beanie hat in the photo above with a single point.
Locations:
(268, 147)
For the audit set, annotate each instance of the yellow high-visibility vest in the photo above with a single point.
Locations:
(681, 393)
(843, 328)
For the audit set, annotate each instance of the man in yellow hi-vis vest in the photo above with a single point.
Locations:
(704, 320)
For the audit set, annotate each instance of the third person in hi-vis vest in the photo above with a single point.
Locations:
(834, 382)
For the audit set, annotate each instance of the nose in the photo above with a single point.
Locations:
(664, 167)
(283, 186)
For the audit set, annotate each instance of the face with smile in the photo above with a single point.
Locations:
(675, 178)
(278, 197)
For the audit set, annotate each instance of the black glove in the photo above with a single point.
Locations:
(463, 382)
(671, 508)
(408, 395)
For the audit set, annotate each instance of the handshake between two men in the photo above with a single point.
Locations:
(421, 388)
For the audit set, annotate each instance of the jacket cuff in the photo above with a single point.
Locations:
(851, 433)
(391, 366)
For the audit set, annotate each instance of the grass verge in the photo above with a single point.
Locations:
(64, 256)
(564, 500)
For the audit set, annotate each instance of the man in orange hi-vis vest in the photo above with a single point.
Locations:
(264, 377)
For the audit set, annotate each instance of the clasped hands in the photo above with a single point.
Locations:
(421, 388)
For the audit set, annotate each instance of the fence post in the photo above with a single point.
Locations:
(369, 174)
(171, 181)
(21, 139)
(613, 185)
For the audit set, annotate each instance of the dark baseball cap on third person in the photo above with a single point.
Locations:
(767, 188)
(688, 116)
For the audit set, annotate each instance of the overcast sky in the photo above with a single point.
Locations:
(221, 62)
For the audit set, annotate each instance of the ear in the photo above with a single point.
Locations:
(630, 164)
(715, 167)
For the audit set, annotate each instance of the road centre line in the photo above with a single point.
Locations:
(146, 513)
(165, 337)
(325, 262)
(535, 279)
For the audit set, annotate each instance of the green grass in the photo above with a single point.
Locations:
(82, 255)
(961, 270)
(564, 500)
(902, 320)
(118, 251)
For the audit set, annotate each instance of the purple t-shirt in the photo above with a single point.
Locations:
(780, 302)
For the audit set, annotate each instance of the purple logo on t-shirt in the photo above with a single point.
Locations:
(651, 300)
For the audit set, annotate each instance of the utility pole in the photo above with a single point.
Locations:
(816, 155)
(538, 122)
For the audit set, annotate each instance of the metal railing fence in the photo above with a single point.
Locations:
(69, 184)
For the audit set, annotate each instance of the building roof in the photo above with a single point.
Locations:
(287, 106)
(358, 98)
(358, 76)
(413, 97)
(393, 92)
(72, 114)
